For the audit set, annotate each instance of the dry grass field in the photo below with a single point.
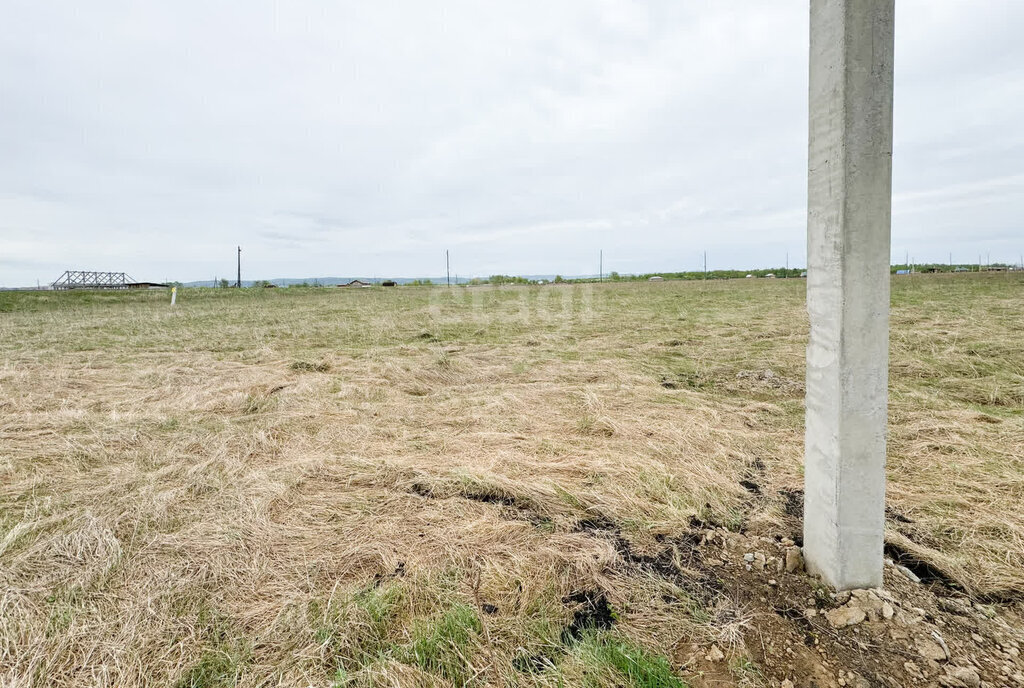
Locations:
(467, 486)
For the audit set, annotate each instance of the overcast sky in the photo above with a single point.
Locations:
(365, 138)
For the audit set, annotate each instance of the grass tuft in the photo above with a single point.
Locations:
(307, 367)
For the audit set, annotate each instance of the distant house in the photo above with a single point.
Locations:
(356, 283)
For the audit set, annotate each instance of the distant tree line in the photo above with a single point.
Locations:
(781, 273)
(945, 267)
(697, 275)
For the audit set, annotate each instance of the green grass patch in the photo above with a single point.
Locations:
(444, 645)
(358, 630)
(217, 668)
(221, 663)
(601, 653)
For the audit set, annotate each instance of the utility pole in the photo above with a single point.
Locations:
(238, 284)
(600, 269)
(447, 268)
(849, 204)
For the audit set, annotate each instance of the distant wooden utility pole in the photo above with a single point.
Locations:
(239, 282)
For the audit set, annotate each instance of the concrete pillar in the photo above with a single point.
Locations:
(848, 212)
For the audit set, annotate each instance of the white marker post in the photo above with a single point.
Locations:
(174, 295)
(848, 242)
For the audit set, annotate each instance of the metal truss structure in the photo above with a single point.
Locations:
(81, 279)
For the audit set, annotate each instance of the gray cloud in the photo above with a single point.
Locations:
(366, 138)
